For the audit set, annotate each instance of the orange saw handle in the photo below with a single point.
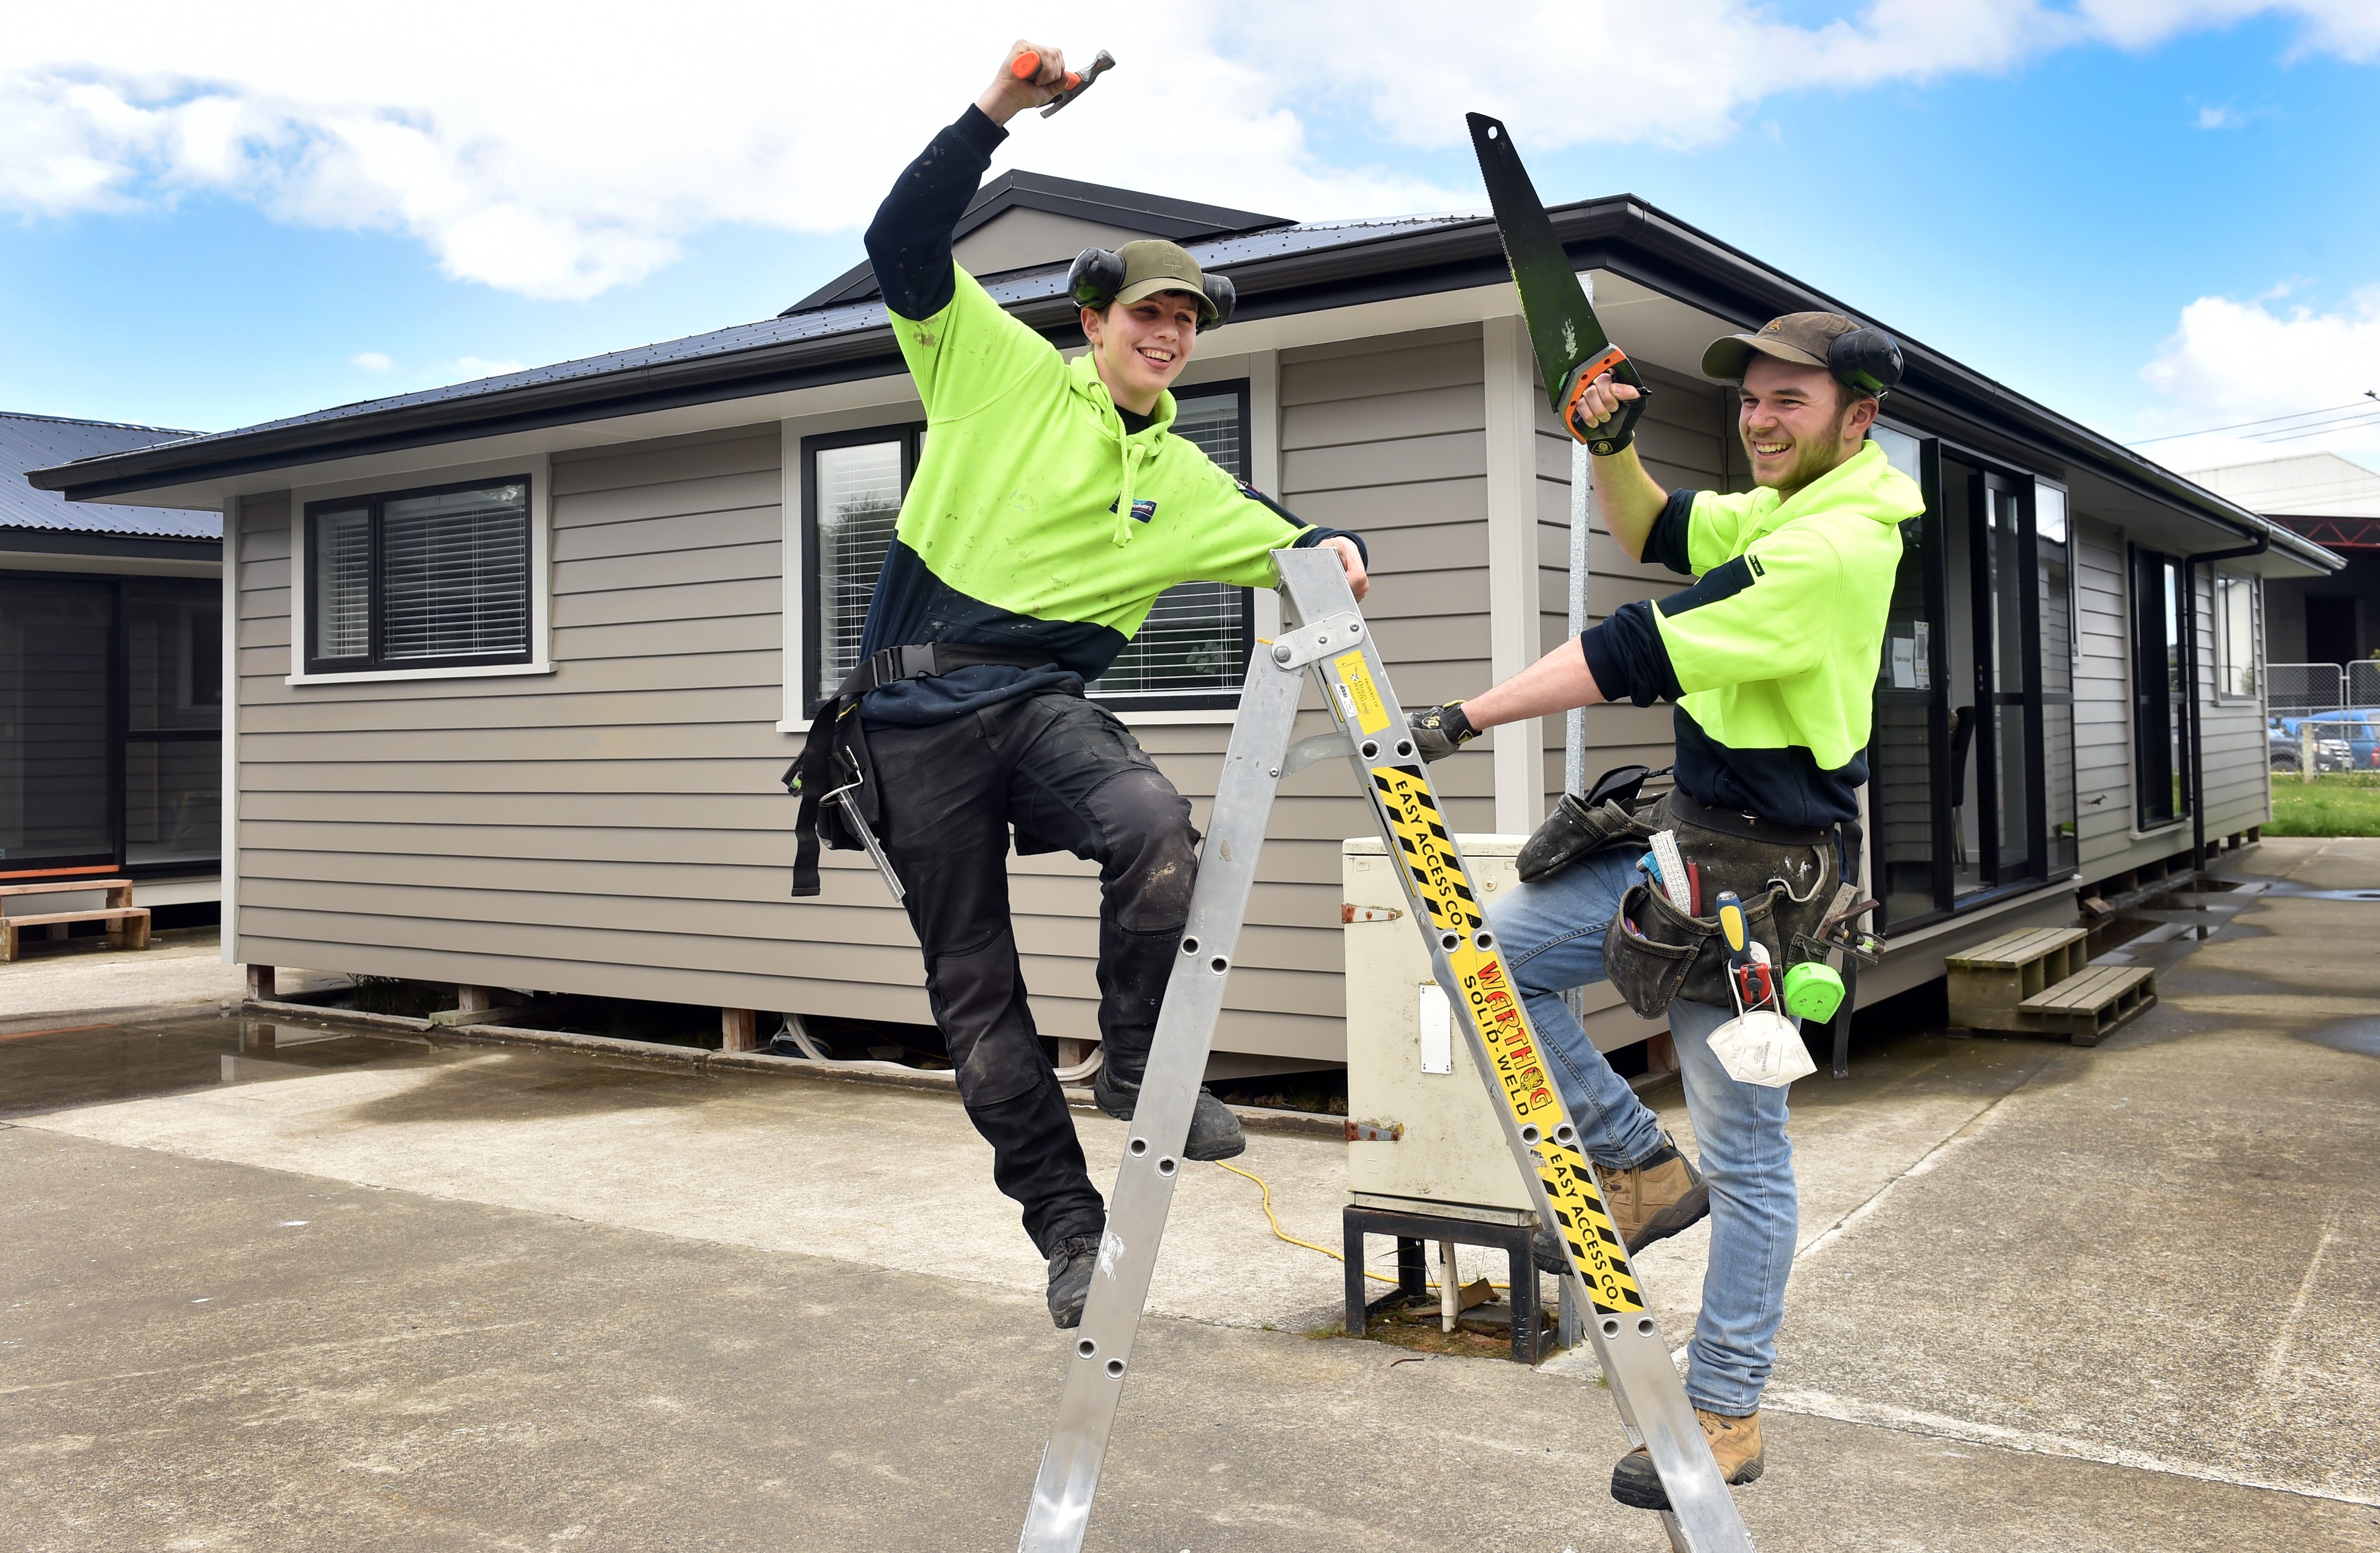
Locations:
(1027, 65)
(1620, 430)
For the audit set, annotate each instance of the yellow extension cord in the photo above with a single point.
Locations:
(1280, 1233)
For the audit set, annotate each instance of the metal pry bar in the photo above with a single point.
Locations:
(1100, 65)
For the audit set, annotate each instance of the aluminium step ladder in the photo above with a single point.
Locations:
(1332, 644)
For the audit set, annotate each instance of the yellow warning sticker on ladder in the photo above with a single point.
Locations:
(1494, 1011)
(1371, 714)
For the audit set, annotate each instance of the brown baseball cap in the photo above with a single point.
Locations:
(1153, 265)
(1800, 338)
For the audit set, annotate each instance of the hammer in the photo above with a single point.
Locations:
(1028, 65)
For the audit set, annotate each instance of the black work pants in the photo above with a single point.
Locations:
(1069, 777)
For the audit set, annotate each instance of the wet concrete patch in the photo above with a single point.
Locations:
(57, 1068)
(2360, 1037)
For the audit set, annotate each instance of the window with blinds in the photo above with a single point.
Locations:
(1195, 643)
(419, 579)
(1196, 639)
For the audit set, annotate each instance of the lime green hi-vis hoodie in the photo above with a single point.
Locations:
(1036, 520)
(1771, 656)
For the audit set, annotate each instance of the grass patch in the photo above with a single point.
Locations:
(2334, 804)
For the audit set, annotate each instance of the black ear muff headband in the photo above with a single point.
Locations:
(1867, 361)
(1097, 274)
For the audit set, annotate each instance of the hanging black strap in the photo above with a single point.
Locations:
(835, 729)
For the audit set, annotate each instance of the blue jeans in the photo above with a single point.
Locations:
(1552, 933)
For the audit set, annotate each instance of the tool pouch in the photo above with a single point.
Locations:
(1575, 830)
(1579, 826)
(1654, 950)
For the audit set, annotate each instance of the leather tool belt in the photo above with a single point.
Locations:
(834, 759)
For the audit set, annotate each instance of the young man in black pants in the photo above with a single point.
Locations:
(1050, 507)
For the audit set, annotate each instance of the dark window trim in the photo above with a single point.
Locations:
(1933, 449)
(2137, 559)
(908, 433)
(374, 661)
(120, 733)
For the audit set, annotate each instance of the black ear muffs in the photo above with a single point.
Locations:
(1096, 277)
(1867, 361)
(1222, 295)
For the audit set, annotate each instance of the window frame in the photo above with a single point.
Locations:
(910, 434)
(803, 648)
(2139, 560)
(121, 736)
(374, 662)
(2224, 694)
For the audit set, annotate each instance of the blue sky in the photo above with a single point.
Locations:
(2060, 211)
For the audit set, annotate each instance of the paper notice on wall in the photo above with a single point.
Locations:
(1924, 655)
(1904, 663)
(1437, 1030)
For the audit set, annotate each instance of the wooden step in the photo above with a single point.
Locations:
(1989, 982)
(126, 926)
(2087, 1008)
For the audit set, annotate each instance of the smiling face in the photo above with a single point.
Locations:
(1142, 347)
(1798, 422)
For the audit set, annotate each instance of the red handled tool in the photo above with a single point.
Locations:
(1028, 65)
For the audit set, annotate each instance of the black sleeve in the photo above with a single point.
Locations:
(909, 241)
(1628, 657)
(1667, 542)
(1307, 538)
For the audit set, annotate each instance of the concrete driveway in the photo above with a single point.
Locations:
(270, 1286)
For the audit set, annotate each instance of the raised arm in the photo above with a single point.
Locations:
(909, 241)
(1627, 496)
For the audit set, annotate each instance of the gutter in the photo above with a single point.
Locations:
(1616, 232)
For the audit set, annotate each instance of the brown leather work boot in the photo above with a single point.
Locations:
(1655, 1199)
(1652, 1202)
(1735, 1441)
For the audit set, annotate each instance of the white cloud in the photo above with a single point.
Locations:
(373, 361)
(2230, 362)
(561, 151)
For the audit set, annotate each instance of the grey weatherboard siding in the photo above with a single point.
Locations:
(617, 827)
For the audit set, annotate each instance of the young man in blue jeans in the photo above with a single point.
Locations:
(1771, 659)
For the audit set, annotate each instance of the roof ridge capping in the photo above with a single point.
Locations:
(1132, 210)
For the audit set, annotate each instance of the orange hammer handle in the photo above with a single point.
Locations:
(1027, 65)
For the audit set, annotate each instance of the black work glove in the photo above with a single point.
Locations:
(1439, 731)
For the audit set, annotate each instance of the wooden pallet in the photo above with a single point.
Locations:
(2087, 1008)
(1990, 982)
(127, 925)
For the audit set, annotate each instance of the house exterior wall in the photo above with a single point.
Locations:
(617, 827)
(2238, 786)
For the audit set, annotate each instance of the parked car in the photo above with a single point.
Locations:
(2345, 740)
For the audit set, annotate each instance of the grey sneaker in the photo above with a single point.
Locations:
(1069, 1279)
(1214, 1131)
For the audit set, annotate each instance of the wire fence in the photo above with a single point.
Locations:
(2294, 689)
(2363, 682)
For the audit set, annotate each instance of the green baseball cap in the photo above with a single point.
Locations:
(1152, 265)
(1800, 338)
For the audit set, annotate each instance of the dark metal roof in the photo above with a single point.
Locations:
(832, 344)
(1280, 272)
(1180, 220)
(34, 441)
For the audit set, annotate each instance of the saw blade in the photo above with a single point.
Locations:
(1563, 327)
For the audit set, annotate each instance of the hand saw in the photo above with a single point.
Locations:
(1572, 347)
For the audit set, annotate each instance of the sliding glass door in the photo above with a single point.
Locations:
(1971, 783)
